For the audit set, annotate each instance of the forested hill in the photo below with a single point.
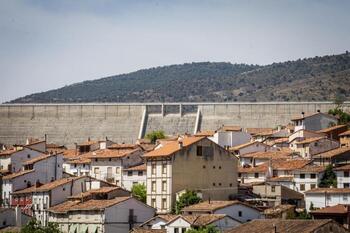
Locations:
(312, 79)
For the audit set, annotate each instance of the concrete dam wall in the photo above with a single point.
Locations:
(70, 123)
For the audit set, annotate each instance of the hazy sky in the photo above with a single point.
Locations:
(46, 44)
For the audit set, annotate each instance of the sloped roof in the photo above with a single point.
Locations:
(332, 153)
(38, 158)
(173, 147)
(346, 133)
(141, 167)
(110, 153)
(337, 209)
(330, 129)
(311, 115)
(200, 220)
(207, 133)
(8, 152)
(290, 226)
(309, 140)
(268, 155)
(214, 205)
(329, 190)
(17, 174)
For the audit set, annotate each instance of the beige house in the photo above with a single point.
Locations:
(311, 146)
(192, 163)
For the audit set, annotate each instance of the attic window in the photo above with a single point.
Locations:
(199, 150)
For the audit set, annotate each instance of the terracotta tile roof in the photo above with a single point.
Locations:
(213, 205)
(283, 226)
(230, 128)
(346, 133)
(110, 153)
(238, 147)
(8, 152)
(337, 209)
(141, 167)
(37, 159)
(80, 160)
(173, 147)
(200, 220)
(17, 174)
(278, 140)
(256, 169)
(268, 155)
(87, 205)
(123, 146)
(329, 190)
(207, 133)
(311, 168)
(330, 129)
(254, 131)
(277, 164)
(166, 217)
(342, 168)
(48, 186)
(88, 143)
(34, 141)
(70, 153)
(333, 153)
(106, 189)
(309, 140)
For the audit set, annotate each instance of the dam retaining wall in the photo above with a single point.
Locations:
(70, 123)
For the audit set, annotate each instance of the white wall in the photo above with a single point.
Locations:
(230, 138)
(129, 181)
(320, 200)
(248, 213)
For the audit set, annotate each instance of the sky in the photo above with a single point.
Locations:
(49, 44)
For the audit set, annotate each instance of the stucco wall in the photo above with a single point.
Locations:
(69, 123)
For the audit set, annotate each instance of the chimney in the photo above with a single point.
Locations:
(209, 200)
(179, 140)
(45, 137)
(302, 114)
(76, 148)
(88, 139)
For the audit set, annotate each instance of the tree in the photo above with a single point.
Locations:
(34, 226)
(139, 192)
(329, 178)
(186, 199)
(155, 135)
(207, 229)
(344, 118)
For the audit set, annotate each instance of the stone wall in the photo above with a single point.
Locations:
(70, 123)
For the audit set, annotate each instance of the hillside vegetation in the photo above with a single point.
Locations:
(312, 79)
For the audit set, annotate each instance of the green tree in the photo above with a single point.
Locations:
(329, 178)
(303, 215)
(139, 192)
(34, 226)
(207, 229)
(186, 199)
(344, 117)
(155, 135)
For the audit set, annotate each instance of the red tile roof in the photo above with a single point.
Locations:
(110, 153)
(337, 209)
(17, 174)
(329, 190)
(173, 147)
(346, 133)
(141, 167)
(213, 205)
(38, 158)
(332, 153)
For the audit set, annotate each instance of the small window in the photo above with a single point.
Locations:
(153, 169)
(302, 176)
(164, 203)
(183, 230)
(230, 184)
(64, 188)
(164, 166)
(153, 202)
(164, 186)
(239, 213)
(213, 167)
(110, 159)
(313, 176)
(117, 170)
(302, 187)
(346, 173)
(140, 173)
(256, 175)
(153, 186)
(219, 167)
(199, 150)
(96, 160)
(313, 186)
(214, 184)
(129, 173)
(204, 166)
(346, 185)
(345, 197)
(176, 230)
(273, 188)
(219, 184)
(28, 156)
(239, 174)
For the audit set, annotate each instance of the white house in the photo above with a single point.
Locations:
(41, 169)
(134, 175)
(108, 164)
(258, 158)
(251, 147)
(79, 166)
(307, 177)
(158, 222)
(230, 138)
(119, 214)
(343, 176)
(322, 197)
(315, 121)
(235, 209)
(47, 195)
(182, 223)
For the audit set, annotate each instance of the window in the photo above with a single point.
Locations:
(219, 167)
(256, 175)
(199, 150)
(302, 187)
(153, 186)
(164, 168)
(28, 156)
(176, 230)
(164, 203)
(273, 188)
(140, 173)
(329, 198)
(213, 167)
(135, 183)
(346, 185)
(153, 169)
(313, 176)
(230, 184)
(183, 230)
(204, 166)
(313, 186)
(110, 159)
(239, 213)
(213, 184)
(239, 174)
(96, 170)
(163, 185)
(345, 197)
(153, 202)
(129, 173)
(96, 160)
(346, 173)
(302, 176)
(117, 182)
(117, 170)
